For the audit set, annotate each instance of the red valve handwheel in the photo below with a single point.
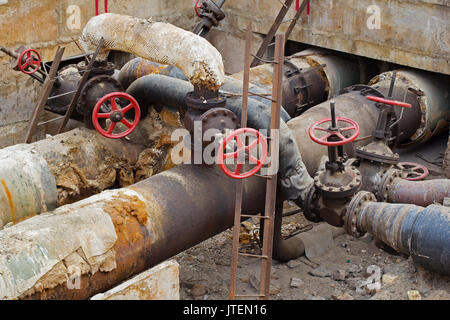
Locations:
(414, 171)
(30, 61)
(239, 135)
(338, 133)
(116, 115)
(196, 7)
(390, 102)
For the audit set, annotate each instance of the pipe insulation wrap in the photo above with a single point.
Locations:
(293, 176)
(159, 42)
(27, 185)
(118, 233)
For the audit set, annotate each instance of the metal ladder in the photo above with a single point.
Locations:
(274, 28)
(271, 188)
(47, 87)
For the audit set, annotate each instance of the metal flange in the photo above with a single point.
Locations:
(339, 184)
(353, 210)
(383, 190)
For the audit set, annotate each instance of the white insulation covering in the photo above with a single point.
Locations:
(159, 42)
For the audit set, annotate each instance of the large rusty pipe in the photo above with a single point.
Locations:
(420, 193)
(38, 177)
(116, 234)
(352, 105)
(422, 233)
(430, 92)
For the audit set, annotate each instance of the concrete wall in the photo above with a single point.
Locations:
(408, 32)
(45, 24)
(414, 33)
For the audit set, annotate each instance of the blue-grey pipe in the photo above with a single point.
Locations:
(422, 233)
(170, 92)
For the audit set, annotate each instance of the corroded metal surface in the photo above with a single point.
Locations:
(153, 220)
(421, 193)
(351, 105)
(430, 114)
(343, 25)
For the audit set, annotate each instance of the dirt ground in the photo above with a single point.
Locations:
(339, 274)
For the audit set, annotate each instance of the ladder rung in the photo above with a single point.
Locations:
(265, 177)
(250, 216)
(252, 255)
(249, 295)
(49, 121)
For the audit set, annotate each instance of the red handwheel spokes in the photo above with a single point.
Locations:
(413, 171)
(196, 7)
(116, 114)
(240, 136)
(29, 59)
(333, 133)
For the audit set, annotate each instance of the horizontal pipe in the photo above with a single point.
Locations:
(420, 193)
(294, 178)
(38, 177)
(116, 234)
(422, 233)
(432, 97)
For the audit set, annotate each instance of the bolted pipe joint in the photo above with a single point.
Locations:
(422, 233)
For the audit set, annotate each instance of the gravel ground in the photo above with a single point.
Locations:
(340, 274)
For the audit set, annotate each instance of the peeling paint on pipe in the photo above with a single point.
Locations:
(423, 233)
(38, 177)
(152, 221)
(27, 184)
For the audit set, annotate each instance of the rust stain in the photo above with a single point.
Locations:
(128, 214)
(10, 200)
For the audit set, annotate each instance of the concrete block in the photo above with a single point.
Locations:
(158, 283)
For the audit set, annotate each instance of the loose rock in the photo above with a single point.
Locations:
(296, 283)
(339, 275)
(320, 272)
(388, 279)
(414, 295)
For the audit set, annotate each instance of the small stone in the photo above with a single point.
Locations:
(363, 251)
(293, 264)
(414, 295)
(306, 291)
(354, 268)
(198, 290)
(310, 297)
(339, 295)
(201, 258)
(296, 283)
(320, 272)
(274, 290)
(344, 245)
(388, 279)
(339, 275)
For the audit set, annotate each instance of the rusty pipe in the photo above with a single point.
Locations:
(422, 233)
(116, 234)
(61, 169)
(420, 193)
